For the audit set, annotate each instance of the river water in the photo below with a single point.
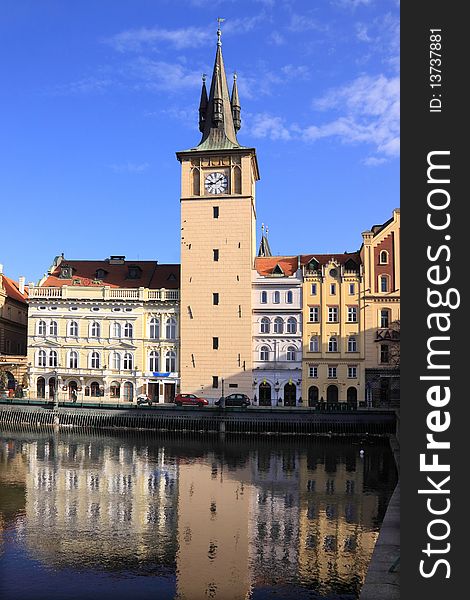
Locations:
(96, 516)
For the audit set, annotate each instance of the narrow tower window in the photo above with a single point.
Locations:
(215, 213)
(215, 298)
(216, 254)
(196, 182)
(215, 343)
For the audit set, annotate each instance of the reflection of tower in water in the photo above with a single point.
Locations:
(213, 513)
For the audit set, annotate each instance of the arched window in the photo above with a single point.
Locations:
(154, 328)
(128, 390)
(73, 329)
(383, 257)
(128, 330)
(289, 297)
(264, 297)
(41, 387)
(237, 180)
(278, 325)
(95, 389)
(276, 297)
(116, 361)
(53, 362)
(385, 317)
(95, 360)
(264, 353)
(128, 361)
(384, 283)
(291, 325)
(41, 328)
(265, 325)
(115, 389)
(154, 361)
(170, 361)
(333, 344)
(196, 182)
(352, 344)
(313, 344)
(41, 358)
(290, 353)
(53, 328)
(73, 359)
(170, 329)
(95, 329)
(116, 330)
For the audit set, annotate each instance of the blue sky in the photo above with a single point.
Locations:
(97, 96)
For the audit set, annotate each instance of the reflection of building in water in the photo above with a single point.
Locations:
(213, 512)
(338, 522)
(12, 485)
(101, 505)
(274, 519)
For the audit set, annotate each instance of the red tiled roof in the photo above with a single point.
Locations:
(152, 274)
(12, 290)
(266, 264)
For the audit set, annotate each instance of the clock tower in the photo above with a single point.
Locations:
(218, 247)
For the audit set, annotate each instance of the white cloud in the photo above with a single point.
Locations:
(162, 75)
(130, 167)
(371, 114)
(353, 3)
(276, 38)
(362, 33)
(137, 40)
(264, 125)
(85, 85)
(304, 23)
(374, 161)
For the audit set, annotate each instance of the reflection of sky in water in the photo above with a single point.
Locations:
(188, 519)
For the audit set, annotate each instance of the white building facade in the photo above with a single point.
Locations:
(277, 331)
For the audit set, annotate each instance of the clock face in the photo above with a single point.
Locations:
(216, 183)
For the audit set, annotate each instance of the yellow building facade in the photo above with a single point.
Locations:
(104, 331)
(218, 246)
(333, 329)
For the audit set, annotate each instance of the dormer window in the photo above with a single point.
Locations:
(171, 277)
(278, 270)
(65, 272)
(350, 265)
(134, 272)
(100, 274)
(313, 265)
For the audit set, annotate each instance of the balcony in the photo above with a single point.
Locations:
(68, 292)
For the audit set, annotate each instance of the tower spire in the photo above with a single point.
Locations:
(235, 104)
(203, 104)
(219, 115)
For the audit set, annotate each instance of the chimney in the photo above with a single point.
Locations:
(21, 282)
(1, 269)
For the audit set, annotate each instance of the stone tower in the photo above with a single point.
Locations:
(218, 246)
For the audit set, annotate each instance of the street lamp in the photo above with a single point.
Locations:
(56, 389)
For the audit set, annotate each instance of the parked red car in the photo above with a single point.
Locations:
(190, 400)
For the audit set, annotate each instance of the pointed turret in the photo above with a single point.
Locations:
(217, 123)
(235, 104)
(203, 105)
(264, 250)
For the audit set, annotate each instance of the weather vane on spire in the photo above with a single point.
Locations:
(219, 32)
